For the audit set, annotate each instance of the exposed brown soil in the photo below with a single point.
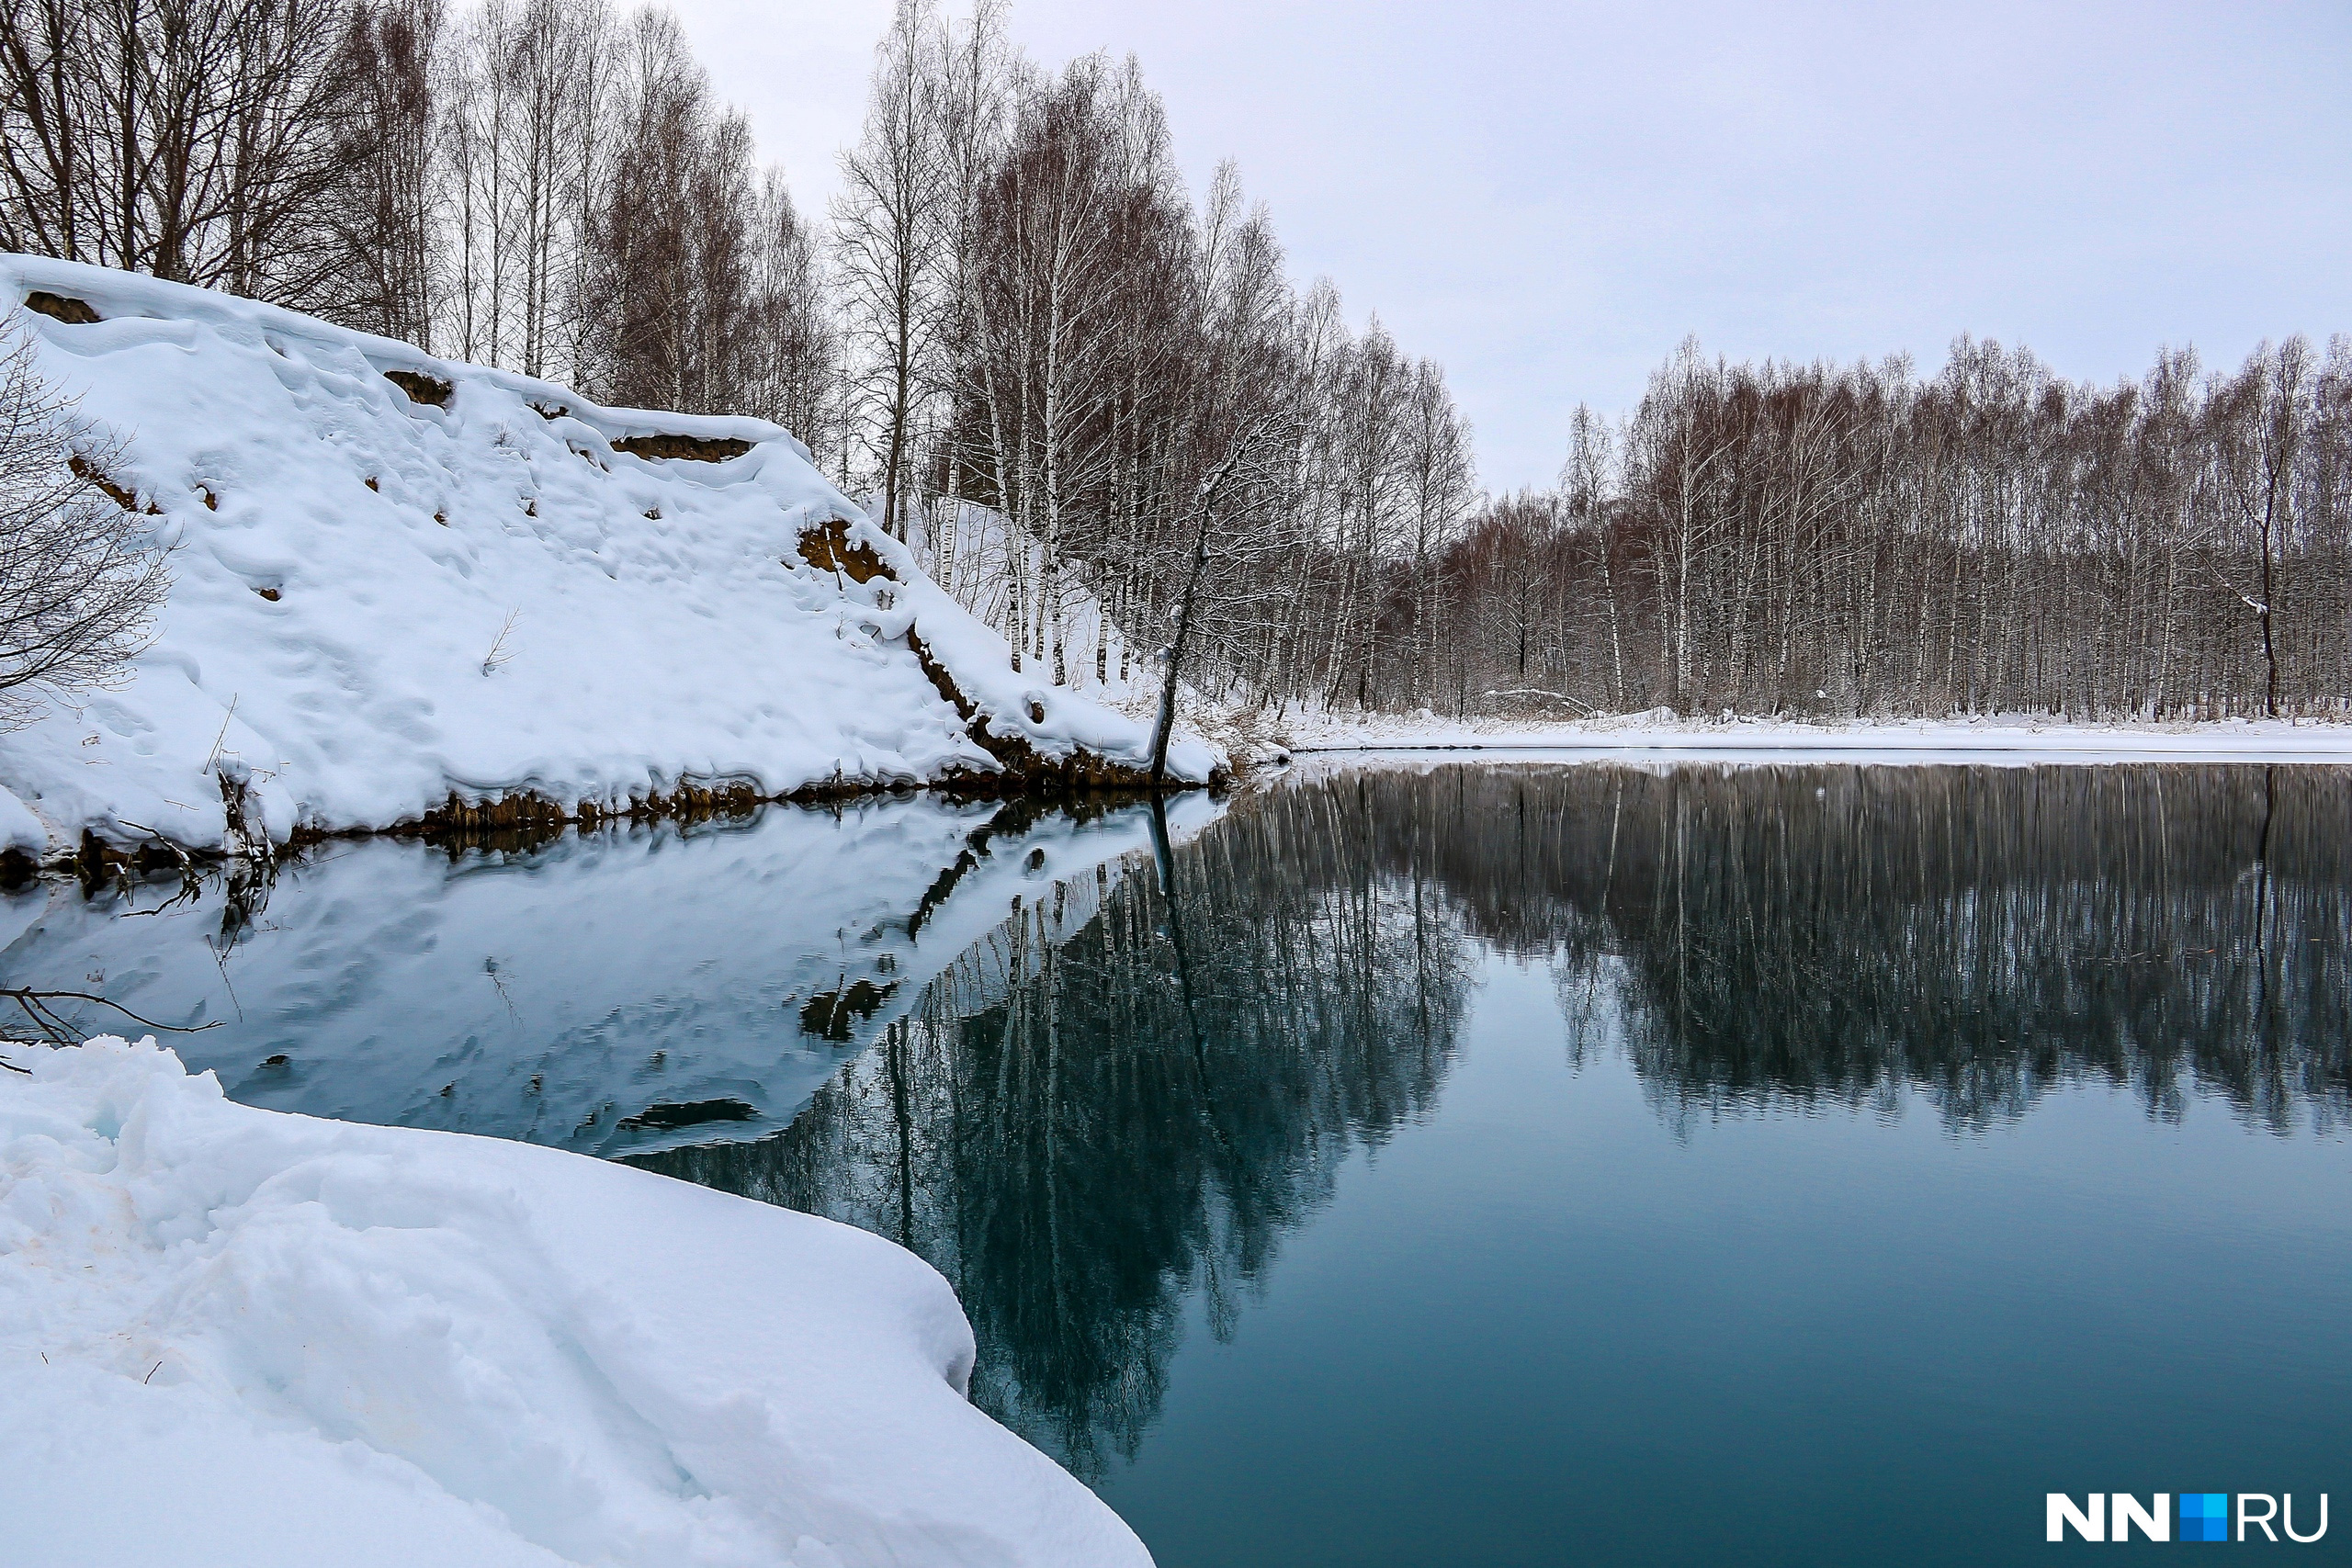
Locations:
(97, 862)
(62, 308)
(826, 546)
(83, 469)
(937, 673)
(695, 448)
(422, 389)
(523, 819)
(1024, 770)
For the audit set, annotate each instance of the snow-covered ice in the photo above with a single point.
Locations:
(1987, 740)
(378, 601)
(231, 1336)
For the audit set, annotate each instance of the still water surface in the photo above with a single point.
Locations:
(1468, 1164)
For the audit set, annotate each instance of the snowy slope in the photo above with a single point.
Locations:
(378, 601)
(231, 1336)
(976, 553)
(559, 996)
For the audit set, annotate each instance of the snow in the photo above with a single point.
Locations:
(556, 997)
(20, 828)
(973, 552)
(233, 1335)
(511, 603)
(1991, 740)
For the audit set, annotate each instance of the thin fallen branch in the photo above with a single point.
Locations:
(58, 1030)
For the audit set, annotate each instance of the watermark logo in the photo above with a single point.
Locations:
(2203, 1516)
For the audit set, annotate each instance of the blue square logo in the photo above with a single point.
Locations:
(2204, 1516)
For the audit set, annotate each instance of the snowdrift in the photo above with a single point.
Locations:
(398, 580)
(233, 1335)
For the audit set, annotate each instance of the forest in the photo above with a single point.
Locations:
(1084, 391)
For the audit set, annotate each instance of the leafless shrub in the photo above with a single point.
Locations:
(499, 652)
(81, 577)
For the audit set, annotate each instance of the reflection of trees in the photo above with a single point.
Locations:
(1080, 1132)
(1844, 934)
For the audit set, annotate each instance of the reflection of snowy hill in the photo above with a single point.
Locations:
(619, 992)
(476, 582)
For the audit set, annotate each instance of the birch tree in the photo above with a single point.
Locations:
(886, 225)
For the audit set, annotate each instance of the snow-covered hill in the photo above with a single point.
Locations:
(398, 578)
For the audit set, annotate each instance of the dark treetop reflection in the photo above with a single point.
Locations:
(1153, 1105)
(1154, 1100)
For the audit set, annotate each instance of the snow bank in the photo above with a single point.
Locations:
(582, 995)
(383, 594)
(1975, 740)
(231, 1336)
(20, 828)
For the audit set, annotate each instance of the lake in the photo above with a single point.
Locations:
(1411, 1164)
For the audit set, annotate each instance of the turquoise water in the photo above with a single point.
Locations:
(1503, 1164)
(1545, 1326)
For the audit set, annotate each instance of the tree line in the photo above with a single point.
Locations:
(1070, 381)
(1015, 311)
(541, 184)
(1857, 540)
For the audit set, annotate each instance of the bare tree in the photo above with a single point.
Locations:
(790, 349)
(81, 577)
(886, 223)
(193, 140)
(675, 238)
(1239, 490)
(383, 278)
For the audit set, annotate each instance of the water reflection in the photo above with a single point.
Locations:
(1096, 1068)
(1081, 1133)
(1973, 935)
(621, 990)
(1151, 1105)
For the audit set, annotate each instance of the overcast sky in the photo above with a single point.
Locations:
(1547, 198)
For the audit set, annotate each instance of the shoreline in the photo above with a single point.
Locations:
(526, 820)
(1923, 740)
